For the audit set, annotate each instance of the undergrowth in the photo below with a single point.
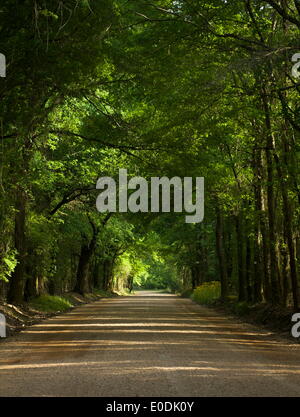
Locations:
(51, 303)
(207, 292)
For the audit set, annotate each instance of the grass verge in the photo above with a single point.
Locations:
(51, 303)
(274, 318)
(20, 316)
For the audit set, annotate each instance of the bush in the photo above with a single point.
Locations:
(50, 303)
(187, 293)
(207, 293)
(241, 308)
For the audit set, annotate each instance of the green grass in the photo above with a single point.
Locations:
(207, 293)
(51, 303)
(104, 294)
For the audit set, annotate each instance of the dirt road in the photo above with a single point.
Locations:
(149, 344)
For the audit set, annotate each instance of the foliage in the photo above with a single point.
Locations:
(49, 303)
(207, 293)
(7, 265)
(242, 308)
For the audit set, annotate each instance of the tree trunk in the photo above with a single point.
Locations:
(221, 254)
(288, 219)
(248, 270)
(82, 284)
(275, 293)
(260, 256)
(240, 257)
(87, 250)
(16, 289)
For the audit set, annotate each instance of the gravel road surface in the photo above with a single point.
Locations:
(148, 344)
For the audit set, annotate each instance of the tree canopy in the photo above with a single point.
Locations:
(169, 88)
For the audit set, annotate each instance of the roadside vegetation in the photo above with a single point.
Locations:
(20, 316)
(207, 293)
(273, 317)
(51, 303)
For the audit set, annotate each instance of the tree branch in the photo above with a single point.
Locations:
(106, 144)
(283, 13)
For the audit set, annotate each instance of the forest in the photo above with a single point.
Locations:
(169, 88)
